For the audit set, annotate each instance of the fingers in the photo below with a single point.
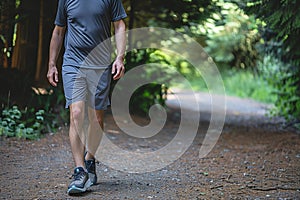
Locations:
(113, 68)
(119, 73)
(118, 70)
(56, 76)
(52, 81)
(52, 77)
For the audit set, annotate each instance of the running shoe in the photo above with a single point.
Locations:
(90, 166)
(80, 182)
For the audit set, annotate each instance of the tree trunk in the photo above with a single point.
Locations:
(39, 62)
(7, 22)
(25, 51)
(131, 23)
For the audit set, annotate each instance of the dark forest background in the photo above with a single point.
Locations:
(249, 40)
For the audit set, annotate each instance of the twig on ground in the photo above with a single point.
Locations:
(271, 188)
(216, 187)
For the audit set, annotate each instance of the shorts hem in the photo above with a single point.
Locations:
(67, 106)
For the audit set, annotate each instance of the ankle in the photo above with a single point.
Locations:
(89, 156)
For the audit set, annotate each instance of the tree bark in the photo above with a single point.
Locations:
(131, 20)
(7, 22)
(39, 61)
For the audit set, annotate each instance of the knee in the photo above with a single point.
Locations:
(76, 115)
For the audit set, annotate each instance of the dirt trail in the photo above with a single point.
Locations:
(253, 159)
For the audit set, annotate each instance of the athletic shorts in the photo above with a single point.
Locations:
(89, 85)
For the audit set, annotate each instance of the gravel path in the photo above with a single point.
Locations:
(253, 159)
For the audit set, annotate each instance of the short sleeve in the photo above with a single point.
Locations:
(61, 16)
(117, 11)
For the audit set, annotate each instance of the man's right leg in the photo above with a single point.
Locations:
(76, 132)
(81, 180)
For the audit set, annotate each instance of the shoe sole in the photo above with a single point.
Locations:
(76, 190)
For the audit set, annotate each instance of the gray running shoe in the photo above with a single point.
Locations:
(90, 166)
(80, 182)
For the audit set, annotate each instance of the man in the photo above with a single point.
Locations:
(84, 25)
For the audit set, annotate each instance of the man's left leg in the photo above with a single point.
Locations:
(98, 98)
(95, 132)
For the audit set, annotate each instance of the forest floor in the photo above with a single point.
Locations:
(254, 158)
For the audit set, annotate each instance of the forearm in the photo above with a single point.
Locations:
(120, 37)
(55, 46)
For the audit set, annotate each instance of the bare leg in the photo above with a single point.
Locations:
(76, 123)
(95, 131)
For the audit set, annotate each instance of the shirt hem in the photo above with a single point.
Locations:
(59, 24)
(119, 18)
(88, 67)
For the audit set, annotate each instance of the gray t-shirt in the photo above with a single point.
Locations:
(88, 25)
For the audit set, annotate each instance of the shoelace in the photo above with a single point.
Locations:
(78, 176)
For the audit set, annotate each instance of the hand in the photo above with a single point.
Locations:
(118, 68)
(52, 75)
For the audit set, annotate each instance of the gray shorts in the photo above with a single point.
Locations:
(89, 85)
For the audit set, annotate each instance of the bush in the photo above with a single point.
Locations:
(52, 101)
(247, 84)
(147, 95)
(28, 124)
(282, 29)
(241, 83)
(17, 89)
(285, 80)
(232, 36)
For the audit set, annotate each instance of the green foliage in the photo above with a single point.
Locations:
(241, 83)
(51, 100)
(147, 95)
(285, 82)
(282, 17)
(28, 124)
(16, 89)
(281, 34)
(232, 36)
(246, 84)
(43, 113)
(175, 14)
(181, 14)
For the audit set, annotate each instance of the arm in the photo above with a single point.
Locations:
(118, 65)
(55, 46)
